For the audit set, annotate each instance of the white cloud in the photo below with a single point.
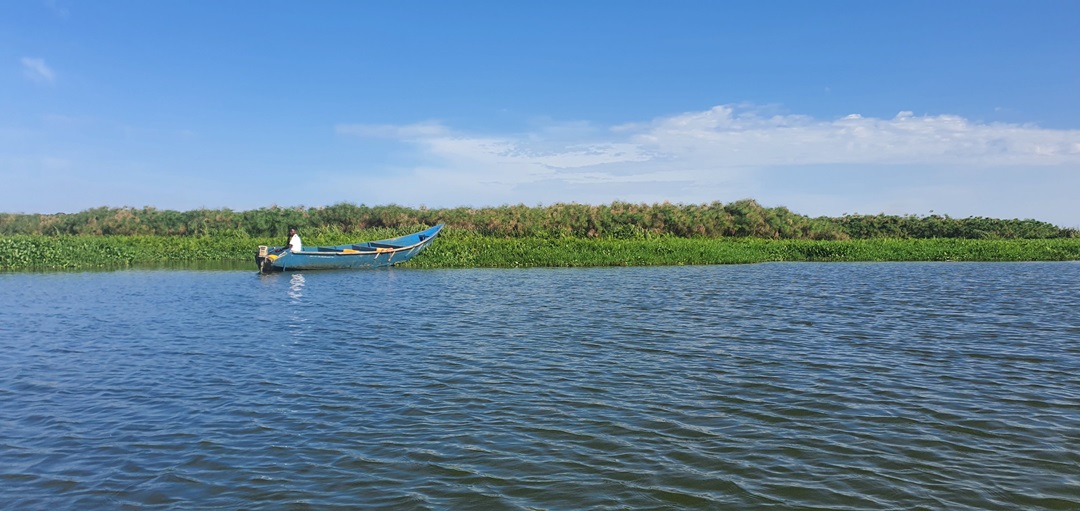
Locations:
(731, 138)
(727, 137)
(724, 137)
(723, 153)
(36, 70)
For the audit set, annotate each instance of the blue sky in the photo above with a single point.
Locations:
(964, 108)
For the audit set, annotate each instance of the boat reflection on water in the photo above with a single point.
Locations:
(296, 287)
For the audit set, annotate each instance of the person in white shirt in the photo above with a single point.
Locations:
(294, 241)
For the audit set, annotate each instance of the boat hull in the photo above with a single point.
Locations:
(372, 254)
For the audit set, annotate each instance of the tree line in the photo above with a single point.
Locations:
(623, 220)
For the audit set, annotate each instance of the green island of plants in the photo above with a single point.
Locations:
(560, 235)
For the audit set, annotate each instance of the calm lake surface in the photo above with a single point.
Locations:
(812, 386)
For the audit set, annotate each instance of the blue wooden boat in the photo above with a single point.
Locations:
(370, 254)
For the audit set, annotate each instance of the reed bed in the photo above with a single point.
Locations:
(744, 218)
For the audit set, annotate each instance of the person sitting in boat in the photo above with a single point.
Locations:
(294, 242)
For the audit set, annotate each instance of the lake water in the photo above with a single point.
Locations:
(812, 386)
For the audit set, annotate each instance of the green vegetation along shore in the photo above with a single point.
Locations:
(618, 234)
(739, 219)
(458, 249)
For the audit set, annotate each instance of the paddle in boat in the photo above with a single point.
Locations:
(370, 254)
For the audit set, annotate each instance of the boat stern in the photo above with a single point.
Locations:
(265, 260)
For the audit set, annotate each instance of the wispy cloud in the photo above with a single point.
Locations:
(59, 10)
(407, 132)
(36, 70)
(723, 153)
(724, 138)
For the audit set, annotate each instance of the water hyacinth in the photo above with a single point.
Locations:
(457, 249)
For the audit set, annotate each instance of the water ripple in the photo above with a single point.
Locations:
(811, 386)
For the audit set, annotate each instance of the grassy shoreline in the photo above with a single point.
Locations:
(470, 250)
